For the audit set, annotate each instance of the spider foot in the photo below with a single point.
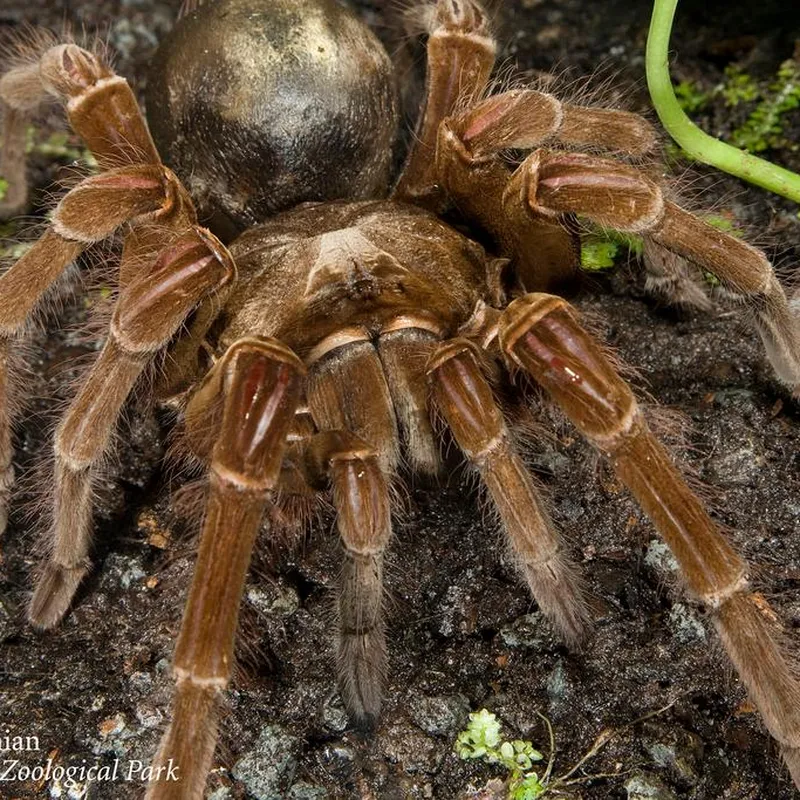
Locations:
(670, 278)
(361, 659)
(6, 485)
(361, 497)
(558, 589)
(53, 594)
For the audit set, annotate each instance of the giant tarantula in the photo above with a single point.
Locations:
(298, 352)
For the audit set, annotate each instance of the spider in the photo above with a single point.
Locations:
(306, 344)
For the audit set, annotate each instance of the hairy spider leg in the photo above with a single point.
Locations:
(259, 381)
(391, 372)
(135, 187)
(100, 106)
(540, 334)
(168, 267)
(673, 278)
(544, 248)
(460, 56)
(619, 196)
(522, 119)
(76, 224)
(362, 500)
(149, 312)
(347, 391)
(404, 353)
(463, 396)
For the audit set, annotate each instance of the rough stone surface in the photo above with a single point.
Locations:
(268, 768)
(647, 787)
(459, 623)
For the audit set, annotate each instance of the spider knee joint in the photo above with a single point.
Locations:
(716, 599)
(185, 675)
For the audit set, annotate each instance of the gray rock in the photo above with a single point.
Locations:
(148, 715)
(273, 599)
(647, 787)
(687, 625)
(454, 612)
(268, 769)
(412, 750)
(306, 791)
(674, 749)
(659, 557)
(557, 685)
(739, 458)
(444, 715)
(334, 715)
(529, 630)
(121, 570)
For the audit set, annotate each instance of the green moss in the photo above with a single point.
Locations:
(597, 256)
(9, 246)
(59, 146)
(764, 128)
(724, 223)
(738, 87)
(771, 102)
(690, 97)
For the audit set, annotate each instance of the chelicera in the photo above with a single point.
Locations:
(310, 336)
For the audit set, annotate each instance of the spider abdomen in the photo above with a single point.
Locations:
(259, 106)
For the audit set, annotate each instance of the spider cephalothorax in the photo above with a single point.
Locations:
(307, 355)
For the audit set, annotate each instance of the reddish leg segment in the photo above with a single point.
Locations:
(523, 118)
(545, 255)
(461, 54)
(261, 381)
(100, 105)
(540, 334)
(135, 189)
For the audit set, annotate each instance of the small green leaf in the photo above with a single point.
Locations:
(711, 279)
(481, 739)
(764, 128)
(15, 250)
(724, 224)
(528, 788)
(596, 256)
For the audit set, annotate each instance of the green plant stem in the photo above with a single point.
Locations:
(695, 142)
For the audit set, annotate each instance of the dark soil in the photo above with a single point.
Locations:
(463, 634)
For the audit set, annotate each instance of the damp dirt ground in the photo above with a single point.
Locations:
(463, 634)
